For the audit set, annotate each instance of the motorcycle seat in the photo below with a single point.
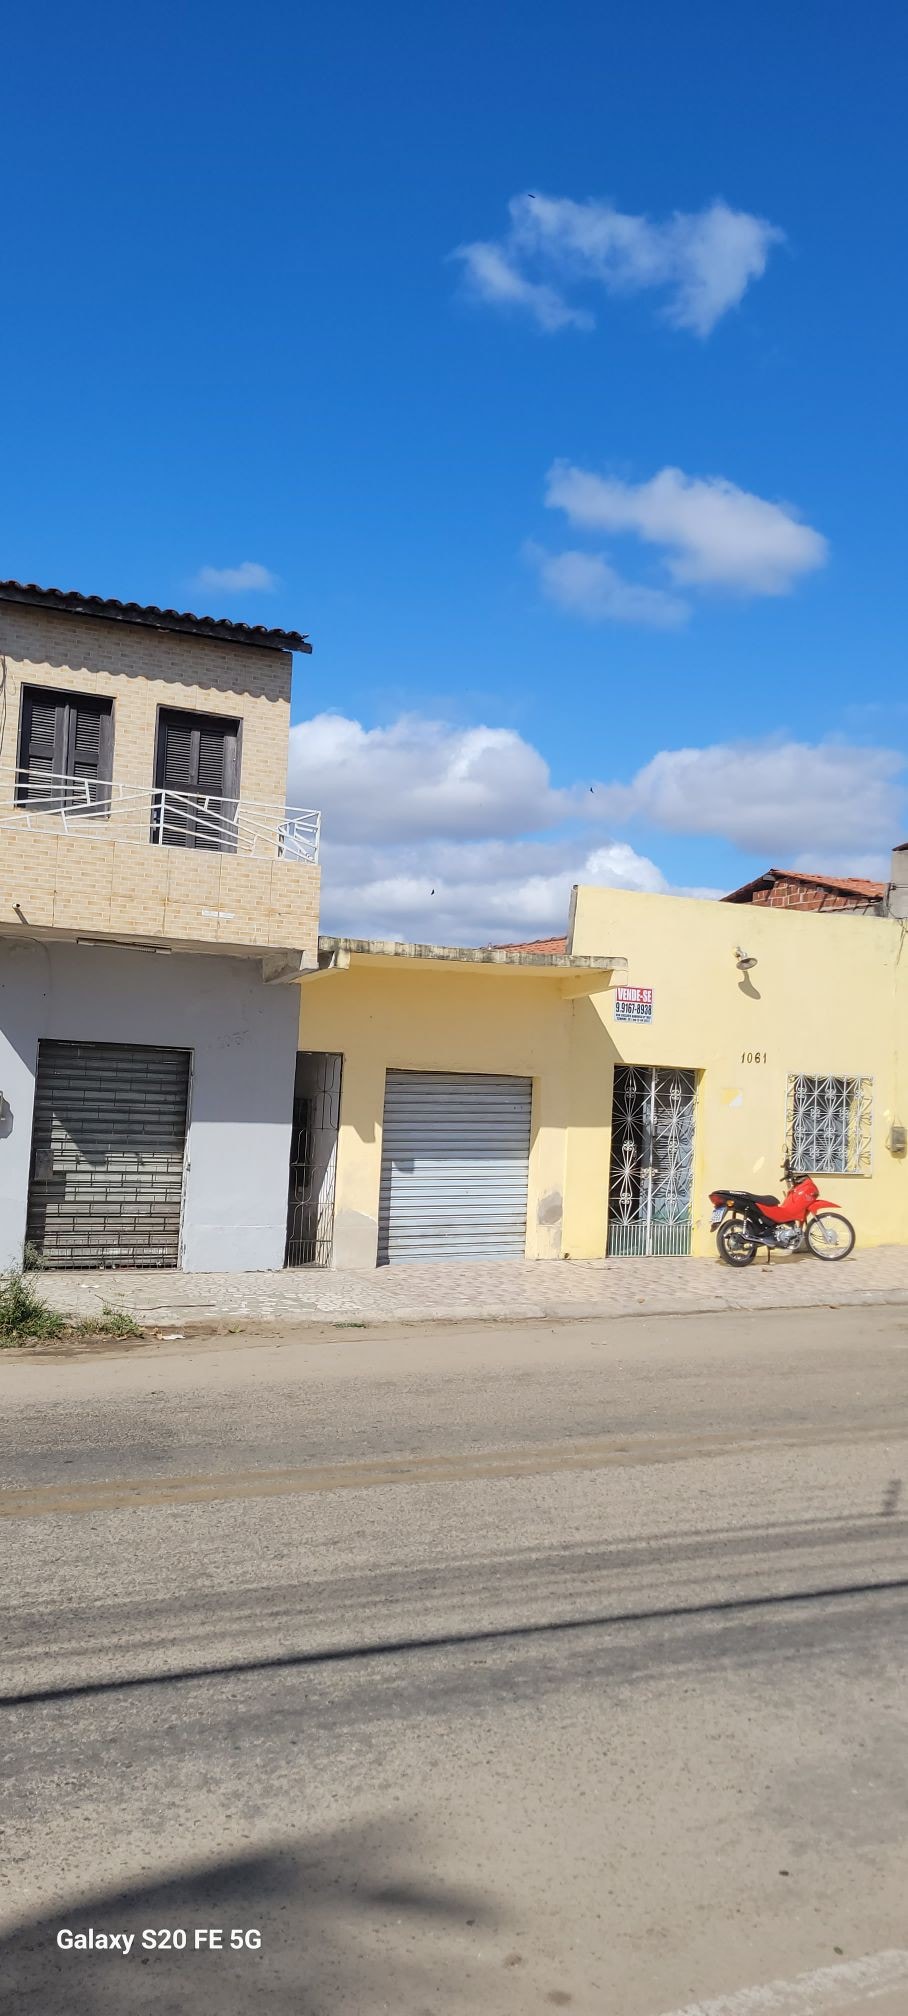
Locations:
(750, 1197)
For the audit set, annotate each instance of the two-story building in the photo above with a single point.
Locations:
(156, 898)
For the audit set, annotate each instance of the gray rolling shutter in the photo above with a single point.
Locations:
(455, 1158)
(108, 1144)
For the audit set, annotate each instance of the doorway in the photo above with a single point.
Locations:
(652, 1160)
(313, 1159)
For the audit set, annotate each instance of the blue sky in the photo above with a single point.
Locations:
(234, 331)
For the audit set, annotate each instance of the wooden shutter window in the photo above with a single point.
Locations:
(65, 751)
(40, 751)
(211, 776)
(85, 741)
(197, 762)
(176, 768)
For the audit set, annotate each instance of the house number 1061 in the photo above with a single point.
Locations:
(753, 1056)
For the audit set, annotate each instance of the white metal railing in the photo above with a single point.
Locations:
(50, 802)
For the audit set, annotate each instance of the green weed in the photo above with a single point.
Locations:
(22, 1312)
(110, 1323)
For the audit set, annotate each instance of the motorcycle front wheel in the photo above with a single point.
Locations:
(734, 1249)
(829, 1235)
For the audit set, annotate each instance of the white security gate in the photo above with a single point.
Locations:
(108, 1143)
(455, 1157)
(652, 1160)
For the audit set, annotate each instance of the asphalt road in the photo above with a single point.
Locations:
(476, 1671)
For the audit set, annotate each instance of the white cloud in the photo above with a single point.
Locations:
(247, 579)
(432, 831)
(587, 585)
(713, 535)
(703, 261)
(481, 893)
(452, 834)
(420, 778)
(493, 277)
(789, 802)
(714, 256)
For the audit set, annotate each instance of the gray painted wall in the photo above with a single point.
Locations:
(243, 1038)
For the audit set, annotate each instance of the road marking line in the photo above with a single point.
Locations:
(814, 1994)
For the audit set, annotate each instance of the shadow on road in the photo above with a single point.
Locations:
(344, 1927)
(555, 1628)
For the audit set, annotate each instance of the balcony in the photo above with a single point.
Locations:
(78, 856)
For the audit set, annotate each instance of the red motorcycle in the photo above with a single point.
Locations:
(803, 1218)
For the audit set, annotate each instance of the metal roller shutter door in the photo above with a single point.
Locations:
(107, 1155)
(455, 1156)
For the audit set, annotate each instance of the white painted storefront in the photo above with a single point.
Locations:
(241, 1036)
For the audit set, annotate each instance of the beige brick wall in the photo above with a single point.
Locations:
(142, 670)
(113, 880)
(57, 883)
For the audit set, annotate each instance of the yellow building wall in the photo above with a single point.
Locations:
(446, 1019)
(827, 995)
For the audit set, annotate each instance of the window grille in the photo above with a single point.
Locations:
(829, 1125)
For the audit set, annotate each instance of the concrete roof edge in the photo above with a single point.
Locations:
(465, 955)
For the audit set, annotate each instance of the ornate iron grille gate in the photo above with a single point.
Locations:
(829, 1125)
(650, 1180)
(313, 1160)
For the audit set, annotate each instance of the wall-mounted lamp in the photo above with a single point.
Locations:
(743, 961)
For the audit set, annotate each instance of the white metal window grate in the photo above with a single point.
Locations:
(829, 1125)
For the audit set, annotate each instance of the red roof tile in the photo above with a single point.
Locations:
(851, 885)
(533, 945)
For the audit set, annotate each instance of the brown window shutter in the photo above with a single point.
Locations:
(42, 736)
(64, 736)
(212, 758)
(197, 760)
(176, 748)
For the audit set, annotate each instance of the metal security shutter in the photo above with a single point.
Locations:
(455, 1155)
(107, 1155)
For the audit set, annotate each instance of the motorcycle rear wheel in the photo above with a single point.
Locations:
(833, 1243)
(734, 1249)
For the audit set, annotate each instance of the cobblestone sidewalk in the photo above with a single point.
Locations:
(440, 1293)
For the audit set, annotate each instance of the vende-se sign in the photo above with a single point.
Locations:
(633, 1004)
